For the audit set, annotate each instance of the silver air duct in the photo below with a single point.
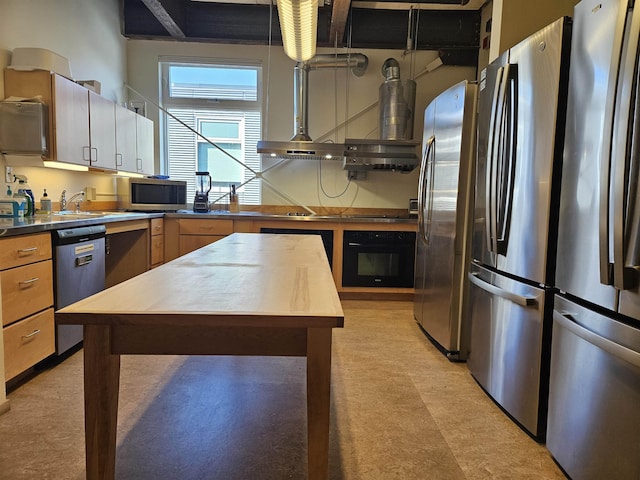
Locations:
(387, 154)
(301, 144)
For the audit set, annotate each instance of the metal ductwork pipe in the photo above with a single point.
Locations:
(357, 62)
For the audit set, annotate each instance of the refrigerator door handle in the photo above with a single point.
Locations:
(513, 297)
(432, 173)
(624, 162)
(422, 188)
(506, 169)
(490, 176)
(605, 240)
(565, 320)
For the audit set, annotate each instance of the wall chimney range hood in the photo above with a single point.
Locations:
(301, 146)
(357, 155)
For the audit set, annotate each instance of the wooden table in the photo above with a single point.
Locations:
(247, 294)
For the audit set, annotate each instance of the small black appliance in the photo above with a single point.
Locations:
(201, 200)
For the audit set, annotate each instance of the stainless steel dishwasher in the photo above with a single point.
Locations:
(79, 273)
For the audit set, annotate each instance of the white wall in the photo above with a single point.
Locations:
(334, 96)
(87, 32)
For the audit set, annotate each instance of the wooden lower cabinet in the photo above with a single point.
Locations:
(27, 342)
(25, 290)
(183, 235)
(26, 285)
(196, 233)
(157, 242)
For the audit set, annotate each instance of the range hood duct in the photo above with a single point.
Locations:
(357, 155)
(301, 145)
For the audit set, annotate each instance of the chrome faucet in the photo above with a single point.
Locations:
(77, 198)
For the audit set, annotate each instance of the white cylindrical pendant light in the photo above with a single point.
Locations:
(298, 23)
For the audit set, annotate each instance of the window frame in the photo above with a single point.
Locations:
(218, 107)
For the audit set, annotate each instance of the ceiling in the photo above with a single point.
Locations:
(450, 26)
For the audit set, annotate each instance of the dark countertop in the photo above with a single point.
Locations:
(246, 215)
(42, 223)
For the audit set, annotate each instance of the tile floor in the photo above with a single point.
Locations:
(400, 410)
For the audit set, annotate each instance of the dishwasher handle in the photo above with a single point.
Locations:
(84, 260)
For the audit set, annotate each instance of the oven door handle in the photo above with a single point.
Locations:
(353, 244)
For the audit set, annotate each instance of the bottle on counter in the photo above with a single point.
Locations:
(25, 190)
(25, 203)
(45, 203)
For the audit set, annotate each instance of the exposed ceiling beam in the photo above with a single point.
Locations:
(170, 14)
(455, 33)
(339, 15)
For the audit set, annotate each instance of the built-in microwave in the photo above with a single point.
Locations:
(151, 194)
(378, 258)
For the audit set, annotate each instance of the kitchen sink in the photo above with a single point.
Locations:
(72, 215)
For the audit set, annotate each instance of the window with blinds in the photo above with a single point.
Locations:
(213, 125)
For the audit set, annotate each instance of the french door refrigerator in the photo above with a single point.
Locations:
(594, 394)
(522, 108)
(445, 198)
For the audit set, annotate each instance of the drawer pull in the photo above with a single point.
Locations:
(31, 335)
(26, 283)
(27, 251)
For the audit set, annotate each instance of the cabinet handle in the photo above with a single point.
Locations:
(26, 283)
(118, 159)
(31, 335)
(27, 251)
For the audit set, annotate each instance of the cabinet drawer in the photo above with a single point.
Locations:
(27, 342)
(16, 251)
(157, 226)
(206, 227)
(189, 243)
(157, 249)
(26, 290)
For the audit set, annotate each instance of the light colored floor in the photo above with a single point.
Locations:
(400, 410)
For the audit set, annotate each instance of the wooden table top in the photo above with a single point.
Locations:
(243, 280)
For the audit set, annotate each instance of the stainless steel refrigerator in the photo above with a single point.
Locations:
(522, 108)
(445, 196)
(594, 393)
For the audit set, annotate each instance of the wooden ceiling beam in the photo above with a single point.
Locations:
(170, 13)
(339, 16)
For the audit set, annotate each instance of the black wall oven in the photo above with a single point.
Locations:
(378, 259)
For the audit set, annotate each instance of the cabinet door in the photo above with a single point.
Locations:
(71, 124)
(144, 144)
(189, 243)
(102, 129)
(125, 140)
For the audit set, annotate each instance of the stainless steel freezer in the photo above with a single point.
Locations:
(522, 108)
(594, 407)
(445, 197)
(594, 392)
(509, 328)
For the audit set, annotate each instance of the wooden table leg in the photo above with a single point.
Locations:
(318, 401)
(101, 383)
